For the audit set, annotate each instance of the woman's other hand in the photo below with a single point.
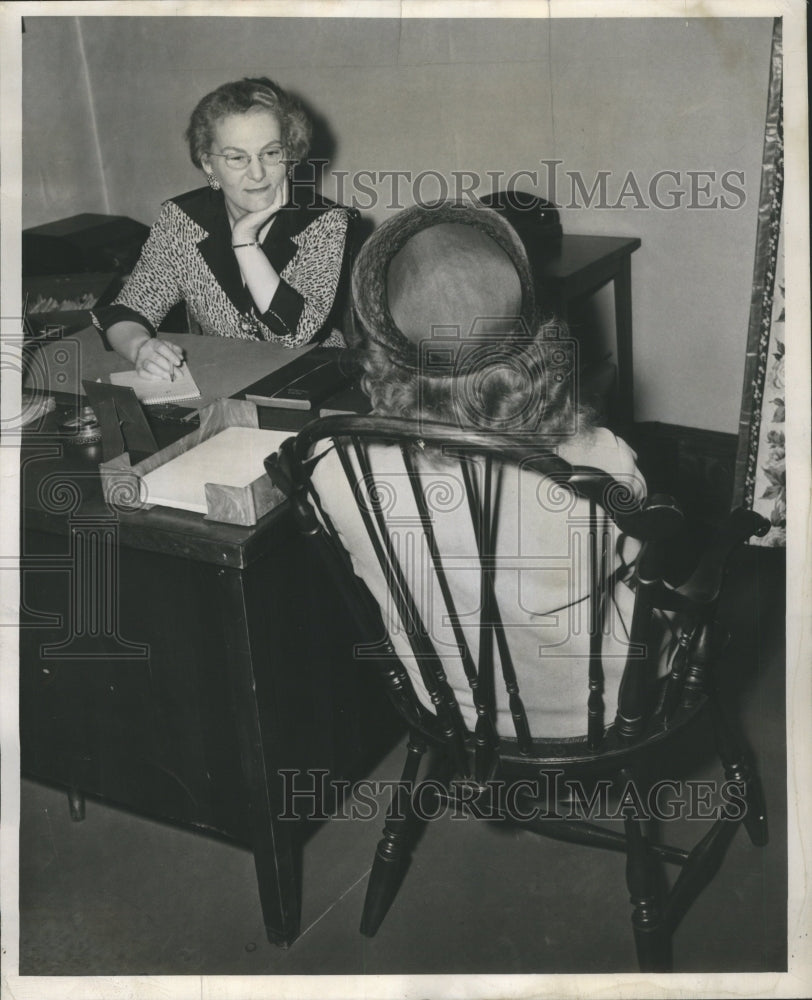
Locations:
(157, 359)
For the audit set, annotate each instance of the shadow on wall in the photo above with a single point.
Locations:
(324, 145)
(324, 149)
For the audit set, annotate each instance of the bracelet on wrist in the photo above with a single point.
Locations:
(253, 243)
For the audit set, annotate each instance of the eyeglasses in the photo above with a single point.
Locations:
(239, 161)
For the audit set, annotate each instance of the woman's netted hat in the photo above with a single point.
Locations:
(442, 278)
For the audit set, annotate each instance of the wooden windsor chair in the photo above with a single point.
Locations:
(480, 722)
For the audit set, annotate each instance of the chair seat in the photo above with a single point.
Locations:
(576, 753)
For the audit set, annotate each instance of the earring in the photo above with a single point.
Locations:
(214, 184)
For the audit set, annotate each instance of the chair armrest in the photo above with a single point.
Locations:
(705, 583)
(288, 477)
(680, 574)
(671, 548)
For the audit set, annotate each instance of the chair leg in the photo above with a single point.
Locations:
(387, 867)
(702, 864)
(737, 769)
(652, 934)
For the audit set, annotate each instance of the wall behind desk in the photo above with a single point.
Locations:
(451, 95)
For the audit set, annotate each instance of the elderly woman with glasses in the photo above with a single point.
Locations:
(251, 258)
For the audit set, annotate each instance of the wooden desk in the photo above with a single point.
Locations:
(174, 666)
(577, 267)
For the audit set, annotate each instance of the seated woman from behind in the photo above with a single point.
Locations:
(446, 299)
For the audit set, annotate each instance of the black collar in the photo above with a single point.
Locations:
(207, 208)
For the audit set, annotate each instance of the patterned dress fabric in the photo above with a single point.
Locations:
(188, 258)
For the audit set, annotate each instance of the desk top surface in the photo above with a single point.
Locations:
(60, 482)
(221, 366)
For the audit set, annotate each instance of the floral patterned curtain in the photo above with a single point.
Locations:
(760, 482)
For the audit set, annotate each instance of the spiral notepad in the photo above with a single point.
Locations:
(148, 391)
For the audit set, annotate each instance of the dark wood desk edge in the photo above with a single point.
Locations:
(174, 540)
(272, 838)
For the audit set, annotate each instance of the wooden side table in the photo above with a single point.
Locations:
(577, 267)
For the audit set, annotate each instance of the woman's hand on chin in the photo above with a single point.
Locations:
(248, 227)
(157, 359)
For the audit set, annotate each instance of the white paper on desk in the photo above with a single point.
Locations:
(160, 391)
(234, 457)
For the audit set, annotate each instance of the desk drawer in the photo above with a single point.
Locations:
(132, 714)
(133, 703)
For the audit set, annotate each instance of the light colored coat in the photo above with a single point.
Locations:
(542, 577)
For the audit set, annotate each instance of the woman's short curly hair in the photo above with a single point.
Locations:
(521, 394)
(240, 96)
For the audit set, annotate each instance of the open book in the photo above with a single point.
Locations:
(153, 391)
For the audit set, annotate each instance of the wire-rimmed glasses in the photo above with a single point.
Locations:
(240, 161)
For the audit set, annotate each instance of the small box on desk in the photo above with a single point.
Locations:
(124, 484)
(320, 383)
(350, 400)
(303, 384)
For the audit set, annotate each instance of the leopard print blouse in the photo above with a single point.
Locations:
(188, 257)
